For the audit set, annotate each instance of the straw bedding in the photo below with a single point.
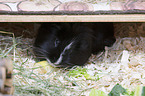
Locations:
(123, 63)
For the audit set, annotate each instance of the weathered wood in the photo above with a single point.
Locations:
(73, 18)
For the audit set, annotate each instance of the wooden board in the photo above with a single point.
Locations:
(73, 18)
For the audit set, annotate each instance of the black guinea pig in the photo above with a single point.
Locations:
(71, 44)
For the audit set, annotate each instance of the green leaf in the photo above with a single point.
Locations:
(140, 91)
(80, 72)
(117, 90)
(129, 92)
(95, 92)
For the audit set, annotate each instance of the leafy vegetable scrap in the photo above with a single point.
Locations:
(82, 72)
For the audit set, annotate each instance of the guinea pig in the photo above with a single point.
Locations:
(71, 44)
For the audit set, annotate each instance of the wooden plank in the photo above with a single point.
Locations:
(73, 18)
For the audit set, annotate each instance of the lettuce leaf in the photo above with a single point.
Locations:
(117, 90)
(95, 92)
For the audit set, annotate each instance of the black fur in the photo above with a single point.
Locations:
(86, 38)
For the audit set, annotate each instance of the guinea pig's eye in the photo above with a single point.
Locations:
(56, 42)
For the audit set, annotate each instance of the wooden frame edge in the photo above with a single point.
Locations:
(73, 18)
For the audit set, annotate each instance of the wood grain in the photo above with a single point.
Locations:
(73, 18)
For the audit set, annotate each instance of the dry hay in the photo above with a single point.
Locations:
(129, 29)
(26, 30)
(124, 63)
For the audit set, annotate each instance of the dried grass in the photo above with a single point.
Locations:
(107, 69)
